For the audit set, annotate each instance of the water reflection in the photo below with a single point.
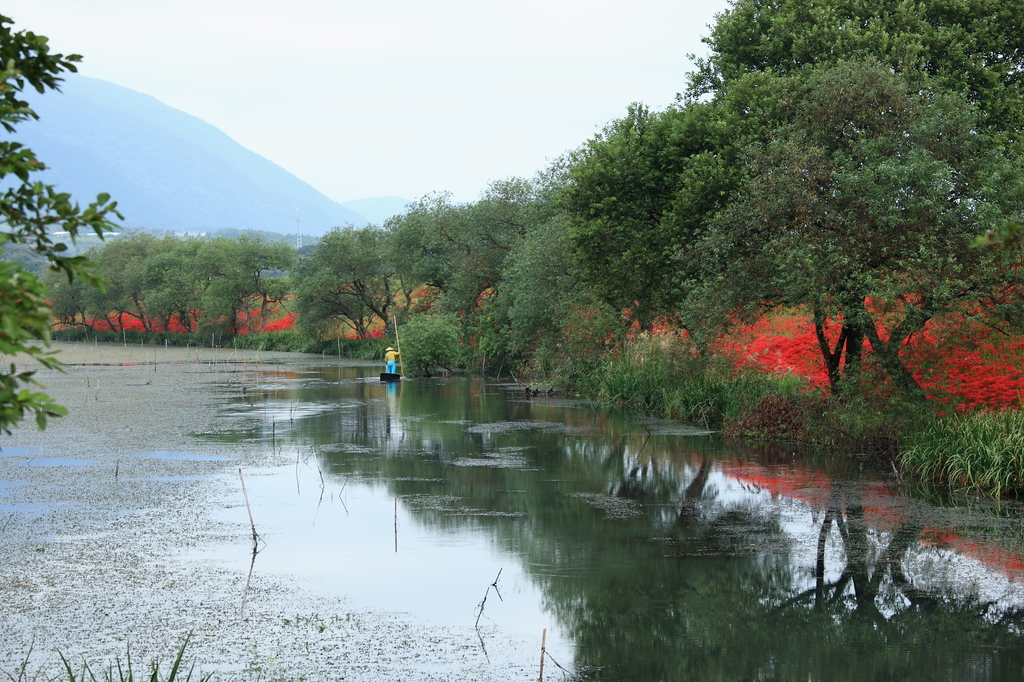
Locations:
(667, 556)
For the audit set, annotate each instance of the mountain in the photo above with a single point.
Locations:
(378, 209)
(165, 168)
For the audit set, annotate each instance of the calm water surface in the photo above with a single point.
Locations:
(647, 552)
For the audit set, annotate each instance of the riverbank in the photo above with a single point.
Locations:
(977, 451)
(284, 341)
(102, 516)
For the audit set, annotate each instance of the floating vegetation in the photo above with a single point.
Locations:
(452, 505)
(58, 462)
(497, 460)
(183, 456)
(348, 448)
(613, 507)
(512, 426)
(435, 502)
(419, 479)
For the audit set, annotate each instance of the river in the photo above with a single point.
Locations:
(634, 548)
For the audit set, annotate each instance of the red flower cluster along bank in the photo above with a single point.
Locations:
(955, 360)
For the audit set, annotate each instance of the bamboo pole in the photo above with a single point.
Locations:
(398, 343)
(543, 650)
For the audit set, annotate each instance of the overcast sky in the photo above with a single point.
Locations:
(364, 99)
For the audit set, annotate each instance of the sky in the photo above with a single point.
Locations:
(396, 97)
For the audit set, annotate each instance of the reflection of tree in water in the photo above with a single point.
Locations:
(691, 576)
(703, 615)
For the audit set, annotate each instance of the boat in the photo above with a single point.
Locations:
(389, 376)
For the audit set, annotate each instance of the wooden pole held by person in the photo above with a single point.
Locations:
(398, 343)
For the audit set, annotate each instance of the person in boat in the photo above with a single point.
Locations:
(390, 357)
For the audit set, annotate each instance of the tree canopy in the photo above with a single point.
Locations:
(30, 211)
(863, 206)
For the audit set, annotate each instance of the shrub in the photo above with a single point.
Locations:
(774, 417)
(430, 341)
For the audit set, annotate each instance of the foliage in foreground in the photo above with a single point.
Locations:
(30, 212)
(977, 451)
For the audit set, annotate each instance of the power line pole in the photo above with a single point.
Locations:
(298, 230)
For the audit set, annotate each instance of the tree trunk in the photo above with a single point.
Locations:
(888, 353)
(850, 342)
(831, 357)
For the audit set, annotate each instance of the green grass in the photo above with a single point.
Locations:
(115, 672)
(669, 380)
(978, 451)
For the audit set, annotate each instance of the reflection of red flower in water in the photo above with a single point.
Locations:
(883, 510)
(806, 486)
(991, 555)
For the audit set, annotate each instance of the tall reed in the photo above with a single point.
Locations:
(977, 451)
(668, 378)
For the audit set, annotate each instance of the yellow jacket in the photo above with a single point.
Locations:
(391, 356)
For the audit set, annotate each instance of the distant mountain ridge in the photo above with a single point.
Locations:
(378, 209)
(166, 169)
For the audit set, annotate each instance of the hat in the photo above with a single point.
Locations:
(389, 348)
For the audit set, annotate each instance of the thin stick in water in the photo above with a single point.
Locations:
(255, 536)
(483, 602)
(245, 595)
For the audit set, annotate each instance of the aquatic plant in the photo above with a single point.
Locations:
(979, 451)
(115, 672)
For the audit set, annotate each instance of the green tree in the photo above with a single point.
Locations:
(863, 207)
(122, 263)
(640, 194)
(973, 47)
(30, 211)
(619, 188)
(242, 273)
(174, 283)
(460, 252)
(348, 280)
(69, 300)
